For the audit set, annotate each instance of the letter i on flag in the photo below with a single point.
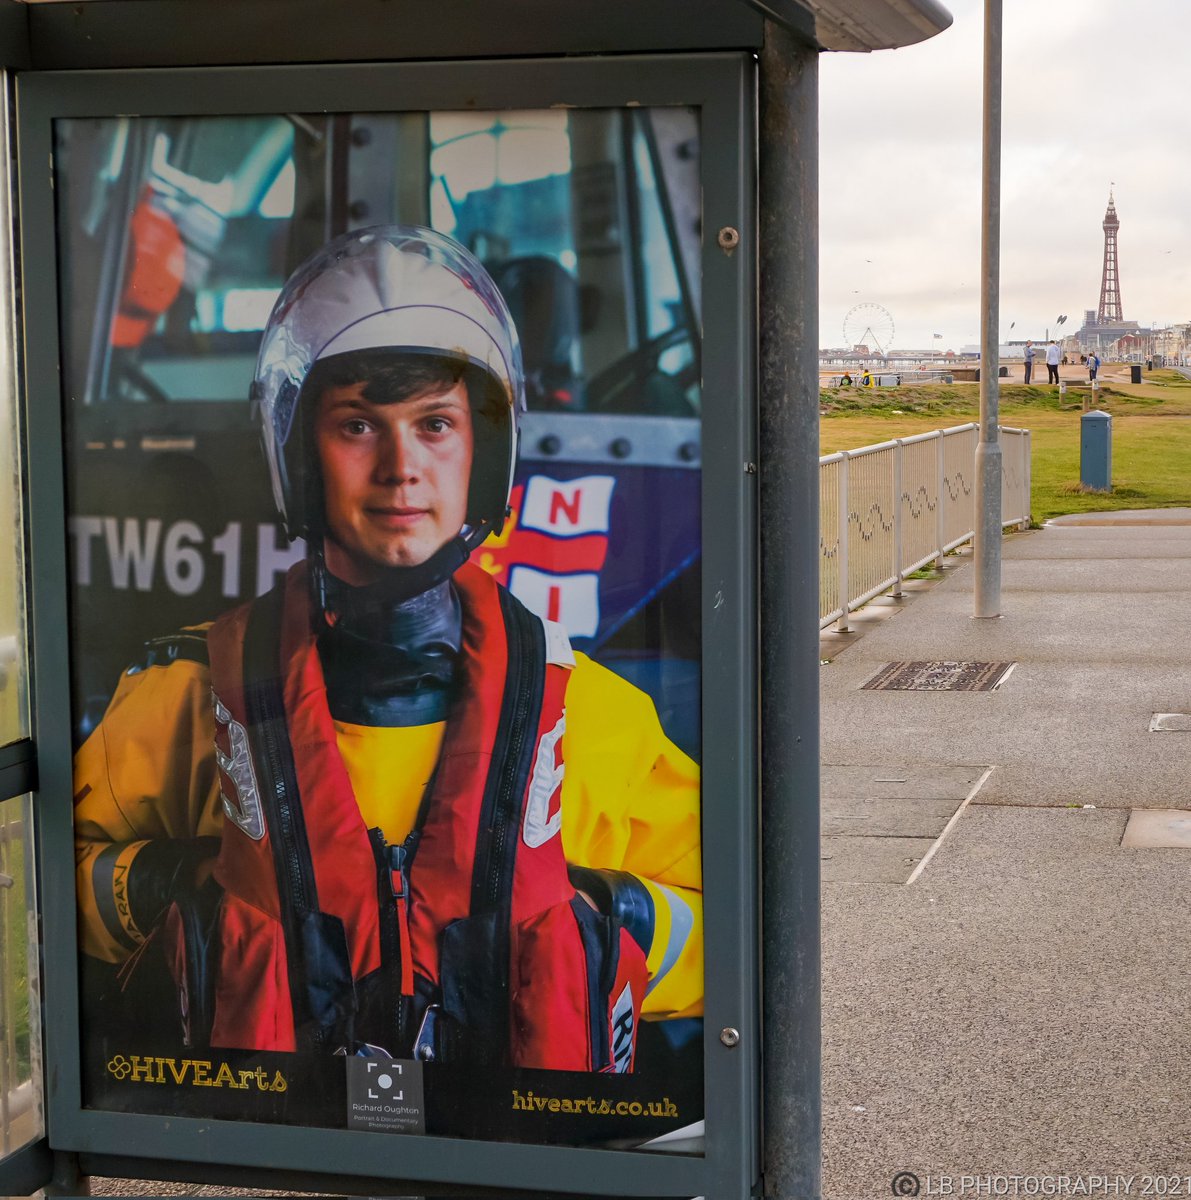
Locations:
(554, 547)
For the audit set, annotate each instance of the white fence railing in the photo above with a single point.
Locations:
(887, 510)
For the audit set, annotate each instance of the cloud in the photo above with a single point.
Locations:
(1092, 96)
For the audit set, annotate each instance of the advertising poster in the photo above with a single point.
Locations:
(384, 513)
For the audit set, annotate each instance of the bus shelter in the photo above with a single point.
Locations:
(429, 802)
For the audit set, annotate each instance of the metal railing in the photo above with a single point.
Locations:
(889, 509)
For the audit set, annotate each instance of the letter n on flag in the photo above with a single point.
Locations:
(568, 508)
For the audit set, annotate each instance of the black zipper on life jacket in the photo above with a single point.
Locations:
(508, 776)
(521, 705)
(392, 870)
(264, 706)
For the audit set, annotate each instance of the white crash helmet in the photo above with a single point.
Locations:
(389, 287)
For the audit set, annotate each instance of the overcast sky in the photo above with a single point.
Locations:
(1095, 91)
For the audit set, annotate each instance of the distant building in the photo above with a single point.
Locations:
(1105, 325)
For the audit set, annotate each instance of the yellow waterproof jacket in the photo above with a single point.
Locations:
(630, 800)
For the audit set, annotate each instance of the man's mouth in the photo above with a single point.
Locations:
(396, 516)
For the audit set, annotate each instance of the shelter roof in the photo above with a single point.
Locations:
(81, 34)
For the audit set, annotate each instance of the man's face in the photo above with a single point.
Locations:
(395, 477)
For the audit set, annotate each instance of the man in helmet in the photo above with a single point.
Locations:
(384, 808)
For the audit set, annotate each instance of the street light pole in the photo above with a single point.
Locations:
(987, 540)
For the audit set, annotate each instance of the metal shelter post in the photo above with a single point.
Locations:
(987, 526)
(789, 590)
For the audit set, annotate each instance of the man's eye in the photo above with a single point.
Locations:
(437, 424)
(355, 426)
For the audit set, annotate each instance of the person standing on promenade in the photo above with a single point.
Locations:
(1093, 366)
(1052, 362)
(1029, 360)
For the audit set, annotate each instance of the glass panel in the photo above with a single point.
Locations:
(571, 210)
(181, 241)
(21, 1119)
(219, 980)
(14, 712)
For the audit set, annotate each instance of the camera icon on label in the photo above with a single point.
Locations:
(384, 1081)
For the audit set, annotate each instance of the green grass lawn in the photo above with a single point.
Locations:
(1151, 445)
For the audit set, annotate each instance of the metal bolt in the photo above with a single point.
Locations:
(688, 451)
(550, 444)
(621, 448)
(730, 1037)
(728, 239)
(358, 210)
(750, 468)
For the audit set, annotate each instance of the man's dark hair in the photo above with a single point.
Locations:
(391, 376)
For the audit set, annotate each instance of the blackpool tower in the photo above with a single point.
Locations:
(1110, 312)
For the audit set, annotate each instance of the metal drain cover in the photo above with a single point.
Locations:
(939, 677)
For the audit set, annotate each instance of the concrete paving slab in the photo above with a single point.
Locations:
(1073, 542)
(1150, 829)
(1070, 627)
(871, 859)
(1093, 577)
(871, 613)
(1057, 734)
(1020, 1008)
(908, 817)
(924, 781)
(1126, 516)
(1165, 722)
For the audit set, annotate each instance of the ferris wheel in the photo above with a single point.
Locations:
(869, 325)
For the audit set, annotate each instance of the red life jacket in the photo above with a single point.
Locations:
(472, 925)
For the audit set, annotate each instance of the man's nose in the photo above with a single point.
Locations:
(397, 459)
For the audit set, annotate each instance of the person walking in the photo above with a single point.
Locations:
(1052, 362)
(1029, 360)
(1093, 366)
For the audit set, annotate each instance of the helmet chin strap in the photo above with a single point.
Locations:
(396, 584)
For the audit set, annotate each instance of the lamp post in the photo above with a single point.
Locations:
(987, 539)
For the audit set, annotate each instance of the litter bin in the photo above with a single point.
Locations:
(1095, 451)
(1149, 364)
(1003, 373)
(1135, 373)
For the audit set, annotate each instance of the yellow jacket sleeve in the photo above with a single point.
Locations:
(630, 802)
(146, 773)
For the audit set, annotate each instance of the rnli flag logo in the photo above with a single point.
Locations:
(553, 547)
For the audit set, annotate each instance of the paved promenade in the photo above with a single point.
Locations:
(1022, 1007)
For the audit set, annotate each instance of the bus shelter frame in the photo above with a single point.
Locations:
(723, 87)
